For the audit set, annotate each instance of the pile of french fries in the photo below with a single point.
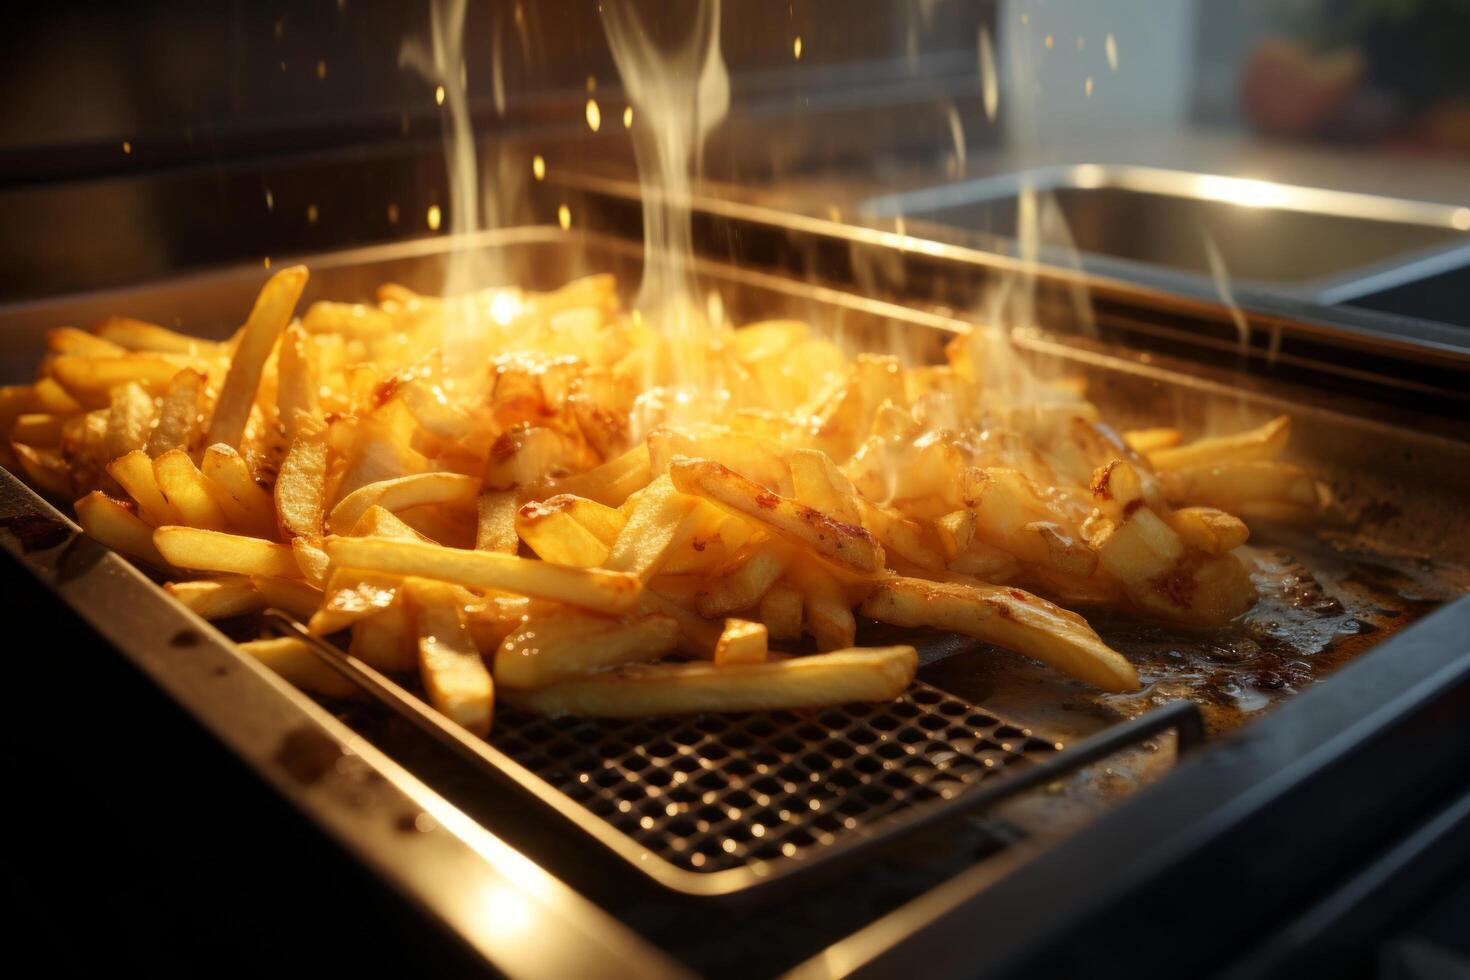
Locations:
(522, 497)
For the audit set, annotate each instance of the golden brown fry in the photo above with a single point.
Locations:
(755, 571)
(1007, 617)
(1147, 441)
(290, 595)
(90, 380)
(828, 613)
(640, 690)
(843, 544)
(454, 675)
(658, 513)
(248, 508)
(741, 642)
(179, 422)
(1264, 442)
(495, 522)
(1212, 531)
(213, 551)
(44, 469)
(291, 657)
(301, 486)
(560, 645)
(312, 562)
(556, 536)
(134, 473)
(268, 318)
(297, 385)
(448, 489)
(379, 523)
(614, 481)
(351, 595)
(586, 588)
(70, 340)
(136, 335)
(130, 418)
(114, 525)
(780, 612)
(822, 486)
(1229, 485)
(218, 598)
(187, 491)
(387, 640)
(37, 430)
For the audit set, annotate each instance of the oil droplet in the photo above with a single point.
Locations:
(434, 217)
(594, 115)
(538, 167)
(796, 48)
(1087, 87)
(127, 148)
(628, 118)
(321, 69)
(1111, 45)
(439, 95)
(392, 213)
(311, 213)
(564, 217)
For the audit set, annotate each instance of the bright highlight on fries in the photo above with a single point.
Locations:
(517, 495)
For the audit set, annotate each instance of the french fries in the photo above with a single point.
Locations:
(540, 508)
(838, 677)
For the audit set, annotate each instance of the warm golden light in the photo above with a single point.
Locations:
(564, 217)
(594, 115)
(270, 200)
(796, 48)
(127, 147)
(439, 95)
(434, 217)
(392, 213)
(1111, 44)
(538, 167)
(628, 118)
(311, 214)
(1049, 41)
(321, 69)
(1087, 87)
(267, 261)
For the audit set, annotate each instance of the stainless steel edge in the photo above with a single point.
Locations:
(520, 919)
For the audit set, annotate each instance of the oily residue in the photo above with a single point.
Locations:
(36, 532)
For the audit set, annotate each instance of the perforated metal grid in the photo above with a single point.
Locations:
(715, 792)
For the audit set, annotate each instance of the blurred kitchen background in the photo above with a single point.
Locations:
(138, 141)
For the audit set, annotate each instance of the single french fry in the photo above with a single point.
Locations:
(449, 489)
(268, 318)
(495, 522)
(900, 536)
(612, 482)
(455, 677)
(1229, 485)
(291, 657)
(1007, 617)
(37, 429)
(558, 537)
(312, 563)
(1265, 442)
(387, 639)
(842, 544)
(248, 508)
(741, 642)
(113, 524)
(214, 551)
(134, 473)
(137, 335)
(640, 690)
(218, 598)
(1212, 531)
(822, 486)
(130, 419)
(755, 572)
(587, 588)
(658, 513)
(70, 340)
(555, 647)
(188, 491)
(301, 494)
(376, 522)
(90, 380)
(45, 470)
(297, 386)
(1147, 441)
(179, 422)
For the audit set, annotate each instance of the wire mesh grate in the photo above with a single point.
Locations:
(713, 792)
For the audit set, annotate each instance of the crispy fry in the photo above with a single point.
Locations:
(387, 640)
(214, 551)
(130, 418)
(456, 679)
(556, 536)
(351, 595)
(639, 690)
(843, 544)
(379, 523)
(756, 571)
(297, 386)
(269, 317)
(187, 491)
(301, 486)
(114, 525)
(291, 657)
(134, 473)
(90, 380)
(312, 562)
(136, 335)
(1009, 618)
(495, 522)
(828, 614)
(178, 416)
(70, 340)
(449, 489)
(290, 595)
(586, 588)
(547, 649)
(1262, 443)
(780, 612)
(218, 598)
(248, 508)
(658, 511)
(1230, 485)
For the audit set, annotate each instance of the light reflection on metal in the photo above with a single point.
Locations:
(796, 48)
(594, 115)
(989, 83)
(564, 217)
(538, 167)
(628, 117)
(439, 95)
(435, 216)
